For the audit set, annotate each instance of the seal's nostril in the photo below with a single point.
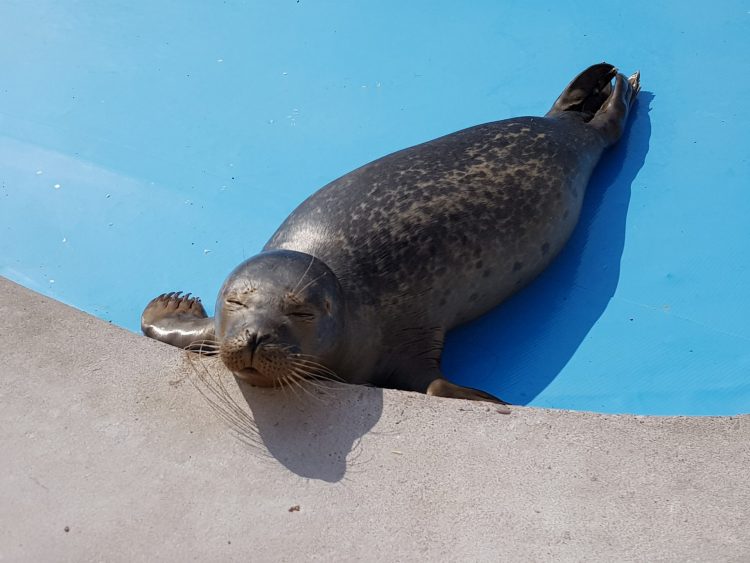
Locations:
(263, 338)
(254, 340)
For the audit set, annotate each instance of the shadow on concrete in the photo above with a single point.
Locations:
(516, 350)
(315, 435)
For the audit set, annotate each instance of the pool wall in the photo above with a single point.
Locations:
(115, 456)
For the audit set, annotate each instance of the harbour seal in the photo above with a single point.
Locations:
(363, 279)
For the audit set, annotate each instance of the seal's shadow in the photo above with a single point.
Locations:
(315, 436)
(516, 350)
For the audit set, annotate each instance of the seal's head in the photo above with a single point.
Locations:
(280, 317)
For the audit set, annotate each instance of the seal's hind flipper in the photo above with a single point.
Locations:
(610, 120)
(444, 388)
(591, 97)
(586, 93)
(179, 320)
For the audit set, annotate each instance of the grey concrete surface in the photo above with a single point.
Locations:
(112, 451)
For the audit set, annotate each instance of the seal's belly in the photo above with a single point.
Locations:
(509, 253)
(450, 228)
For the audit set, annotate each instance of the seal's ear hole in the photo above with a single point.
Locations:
(327, 306)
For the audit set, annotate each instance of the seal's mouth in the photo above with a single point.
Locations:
(254, 377)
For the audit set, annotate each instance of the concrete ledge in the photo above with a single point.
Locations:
(111, 453)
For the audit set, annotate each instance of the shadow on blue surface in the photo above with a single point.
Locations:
(516, 350)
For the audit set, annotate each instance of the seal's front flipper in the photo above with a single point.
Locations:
(179, 320)
(444, 388)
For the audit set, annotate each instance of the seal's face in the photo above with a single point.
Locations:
(279, 317)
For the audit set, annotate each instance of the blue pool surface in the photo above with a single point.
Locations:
(151, 146)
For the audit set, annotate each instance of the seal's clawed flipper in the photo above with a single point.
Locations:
(444, 388)
(179, 320)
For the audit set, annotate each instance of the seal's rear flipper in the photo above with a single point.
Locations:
(610, 120)
(591, 97)
(587, 92)
(179, 320)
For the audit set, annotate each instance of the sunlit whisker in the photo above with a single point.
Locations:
(306, 360)
(322, 385)
(312, 259)
(313, 363)
(287, 385)
(315, 371)
(224, 407)
(221, 402)
(311, 380)
(302, 383)
(308, 284)
(294, 385)
(206, 347)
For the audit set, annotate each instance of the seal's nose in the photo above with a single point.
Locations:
(255, 339)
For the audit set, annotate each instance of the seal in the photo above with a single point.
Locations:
(363, 280)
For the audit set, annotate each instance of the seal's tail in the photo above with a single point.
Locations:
(592, 96)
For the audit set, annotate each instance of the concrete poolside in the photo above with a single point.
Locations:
(110, 453)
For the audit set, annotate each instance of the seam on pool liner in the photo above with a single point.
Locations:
(681, 317)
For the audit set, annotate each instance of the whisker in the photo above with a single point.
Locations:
(294, 385)
(233, 416)
(318, 370)
(321, 385)
(311, 362)
(319, 382)
(280, 384)
(214, 340)
(309, 358)
(222, 403)
(319, 374)
(301, 382)
(206, 347)
(312, 259)
(308, 284)
(287, 385)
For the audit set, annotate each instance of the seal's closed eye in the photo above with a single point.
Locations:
(302, 315)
